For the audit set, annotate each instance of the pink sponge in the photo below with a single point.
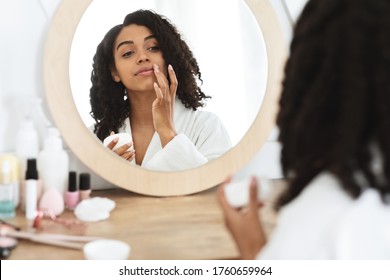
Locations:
(53, 201)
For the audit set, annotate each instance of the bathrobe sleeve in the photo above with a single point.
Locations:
(207, 139)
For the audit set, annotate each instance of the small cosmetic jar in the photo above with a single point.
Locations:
(124, 138)
(106, 249)
(7, 244)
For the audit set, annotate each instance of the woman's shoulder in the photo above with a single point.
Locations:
(207, 115)
(323, 191)
(324, 222)
(364, 230)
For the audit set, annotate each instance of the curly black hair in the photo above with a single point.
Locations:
(108, 107)
(335, 103)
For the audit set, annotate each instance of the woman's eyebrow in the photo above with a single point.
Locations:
(123, 43)
(149, 37)
(132, 42)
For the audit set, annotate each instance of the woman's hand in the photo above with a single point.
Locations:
(123, 151)
(163, 106)
(244, 224)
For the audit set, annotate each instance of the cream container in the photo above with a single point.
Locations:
(124, 138)
(106, 249)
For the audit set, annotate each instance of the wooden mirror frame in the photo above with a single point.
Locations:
(118, 171)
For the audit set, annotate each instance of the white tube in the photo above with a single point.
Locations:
(31, 198)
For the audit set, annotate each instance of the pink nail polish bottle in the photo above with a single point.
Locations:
(72, 195)
(85, 186)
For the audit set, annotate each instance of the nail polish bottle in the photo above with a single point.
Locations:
(72, 195)
(85, 186)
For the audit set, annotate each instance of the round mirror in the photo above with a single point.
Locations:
(234, 42)
(67, 69)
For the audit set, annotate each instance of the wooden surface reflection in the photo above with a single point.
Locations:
(187, 227)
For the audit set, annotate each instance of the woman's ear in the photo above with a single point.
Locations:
(114, 75)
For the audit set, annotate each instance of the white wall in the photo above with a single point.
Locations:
(23, 24)
(23, 27)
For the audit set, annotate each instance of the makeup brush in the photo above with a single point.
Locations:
(50, 239)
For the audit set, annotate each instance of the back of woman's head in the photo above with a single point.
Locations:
(334, 108)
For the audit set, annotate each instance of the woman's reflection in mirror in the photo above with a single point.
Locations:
(145, 83)
(334, 123)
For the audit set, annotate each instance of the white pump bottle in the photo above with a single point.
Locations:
(53, 163)
(27, 147)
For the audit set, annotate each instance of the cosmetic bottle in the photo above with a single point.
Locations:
(72, 195)
(14, 173)
(85, 186)
(7, 206)
(27, 143)
(26, 146)
(23, 185)
(53, 163)
(31, 189)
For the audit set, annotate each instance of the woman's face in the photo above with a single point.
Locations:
(135, 51)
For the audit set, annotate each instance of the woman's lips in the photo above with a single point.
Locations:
(145, 72)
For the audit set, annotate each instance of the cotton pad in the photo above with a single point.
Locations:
(94, 209)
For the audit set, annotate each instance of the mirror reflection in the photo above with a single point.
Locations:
(147, 81)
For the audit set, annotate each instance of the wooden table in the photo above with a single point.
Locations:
(187, 227)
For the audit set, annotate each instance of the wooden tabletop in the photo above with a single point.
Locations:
(186, 227)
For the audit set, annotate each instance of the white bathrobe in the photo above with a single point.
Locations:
(324, 222)
(200, 138)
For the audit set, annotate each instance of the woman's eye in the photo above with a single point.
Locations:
(127, 54)
(154, 48)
